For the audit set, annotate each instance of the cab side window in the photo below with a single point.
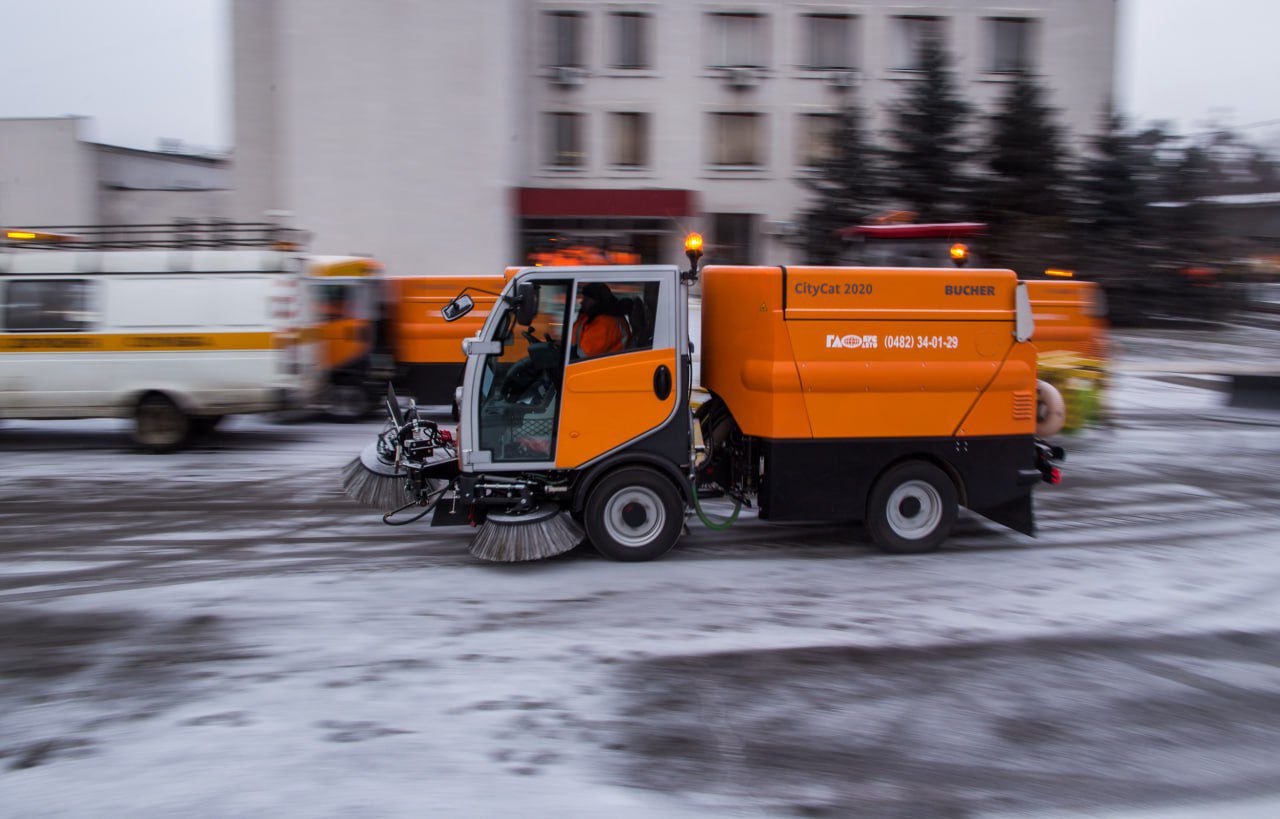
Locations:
(48, 306)
(613, 317)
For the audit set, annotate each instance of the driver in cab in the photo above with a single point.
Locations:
(600, 328)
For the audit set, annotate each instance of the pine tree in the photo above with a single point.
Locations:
(1115, 216)
(1024, 197)
(846, 186)
(1185, 220)
(930, 155)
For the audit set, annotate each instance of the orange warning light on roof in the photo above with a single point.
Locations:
(36, 236)
(959, 253)
(693, 242)
(1066, 274)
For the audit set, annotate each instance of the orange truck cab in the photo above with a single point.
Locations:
(344, 295)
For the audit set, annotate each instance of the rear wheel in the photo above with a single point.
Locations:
(634, 514)
(347, 402)
(159, 424)
(912, 508)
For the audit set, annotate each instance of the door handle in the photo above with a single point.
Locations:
(662, 382)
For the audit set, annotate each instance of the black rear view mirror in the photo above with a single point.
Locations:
(526, 304)
(459, 307)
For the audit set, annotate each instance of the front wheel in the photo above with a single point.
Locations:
(634, 514)
(912, 508)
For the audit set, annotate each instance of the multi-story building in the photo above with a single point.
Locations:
(447, 136)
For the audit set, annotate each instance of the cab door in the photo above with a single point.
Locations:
(622, 378)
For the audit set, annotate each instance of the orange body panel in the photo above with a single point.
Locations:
(419, 334)
(746, 351)
(866, 352)
(1068, 317)
(610, 401)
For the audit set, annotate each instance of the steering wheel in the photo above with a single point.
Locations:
(520, 378)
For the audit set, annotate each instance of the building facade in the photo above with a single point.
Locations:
(50, 176)
(446, 136)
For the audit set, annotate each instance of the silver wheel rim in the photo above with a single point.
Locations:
(914, 510)
(635, 516)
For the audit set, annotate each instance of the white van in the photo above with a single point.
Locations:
(174, 339)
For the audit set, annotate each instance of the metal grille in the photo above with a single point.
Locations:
(1024, 406)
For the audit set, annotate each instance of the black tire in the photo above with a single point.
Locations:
(347, 403)
(634, 514)
(912, 508)
(205, 424)
(160, 425)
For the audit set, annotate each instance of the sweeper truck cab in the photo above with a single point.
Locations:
(885, 395)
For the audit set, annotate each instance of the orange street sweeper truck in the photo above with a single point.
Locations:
(890, 396)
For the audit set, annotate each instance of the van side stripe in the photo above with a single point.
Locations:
(139, 342)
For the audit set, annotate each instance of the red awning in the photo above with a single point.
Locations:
(937, 230)
(607, 202)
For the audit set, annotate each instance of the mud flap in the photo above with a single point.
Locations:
(1018, 514)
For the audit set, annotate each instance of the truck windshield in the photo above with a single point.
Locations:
(520, 387)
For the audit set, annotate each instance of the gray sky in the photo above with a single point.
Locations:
(146, 69)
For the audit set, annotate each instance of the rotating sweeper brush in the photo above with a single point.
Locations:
(399, 470)
(374, 479)
(412, 466)
(542, 532)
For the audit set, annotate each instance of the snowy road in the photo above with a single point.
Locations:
(220, 632)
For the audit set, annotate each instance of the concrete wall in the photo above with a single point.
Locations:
(47, 175)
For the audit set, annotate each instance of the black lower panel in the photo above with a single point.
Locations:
(831, 479)
(430, 383)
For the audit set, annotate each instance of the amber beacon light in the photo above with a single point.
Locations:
(693, 249)
(959, 254)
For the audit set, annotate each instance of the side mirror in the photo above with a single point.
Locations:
(459, 307)
(1025, 326)
(526, 304)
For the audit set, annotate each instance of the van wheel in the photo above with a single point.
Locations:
(912, 508)
(159, 425)
(634, 514)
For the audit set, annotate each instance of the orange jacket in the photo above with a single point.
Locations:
(600, 336)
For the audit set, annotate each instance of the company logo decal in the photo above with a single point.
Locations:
(852, 342)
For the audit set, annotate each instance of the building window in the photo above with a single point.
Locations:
(828, 41)
(630, 39)
(910, 36)
(629, 140)
(565, 38)
(731, 238)
(48, 306)
(1009, 41)
(736, 140)
(817, 141)
(565, 140)
(737, 40)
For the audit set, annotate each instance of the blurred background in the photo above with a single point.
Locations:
(1125, 141)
